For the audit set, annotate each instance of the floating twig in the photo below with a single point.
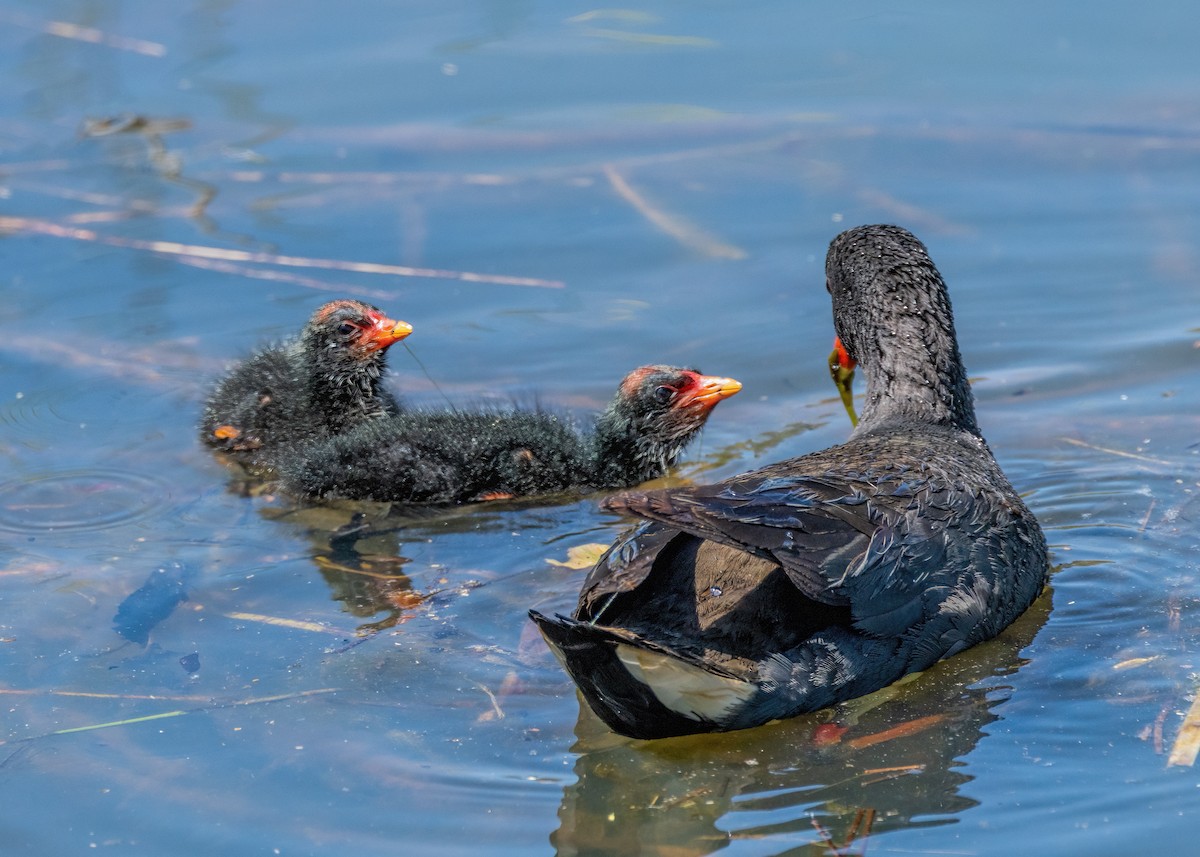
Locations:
(894, 769)
(685, 233)
(1121, 453)
(295, 624)
(284, 277)
(328, 564)
(650, 38)
(151, 129)
(1146, 518)
(905, 212)
(688, 798)
(112, 723)
(912, 727)
(861, 826)
(36, 226)
(93, 695)
(1130, 663)
(881, 775)
(75, 32)
(178, 712)
(497, 712)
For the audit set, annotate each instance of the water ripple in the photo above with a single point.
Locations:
(78, 500)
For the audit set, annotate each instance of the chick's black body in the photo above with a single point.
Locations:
(323, 382)
(446, 457)
(457, 456)
(824, 577)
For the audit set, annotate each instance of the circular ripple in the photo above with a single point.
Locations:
(77, 500)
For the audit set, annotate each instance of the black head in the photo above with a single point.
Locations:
(656, 411)
(347, 331)
(343, 349)
(892, 314)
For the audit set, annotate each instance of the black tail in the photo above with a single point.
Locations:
(627, 705)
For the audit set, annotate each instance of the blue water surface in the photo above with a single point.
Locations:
(553, 194)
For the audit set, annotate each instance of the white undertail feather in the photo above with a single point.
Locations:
(683, 688)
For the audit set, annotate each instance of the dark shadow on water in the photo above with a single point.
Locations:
(152, 602)
(898, 752)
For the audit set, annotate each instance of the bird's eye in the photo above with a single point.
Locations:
(662, 395)
(346, 328)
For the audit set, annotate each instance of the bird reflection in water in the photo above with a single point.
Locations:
(894, 758)
(363, 569)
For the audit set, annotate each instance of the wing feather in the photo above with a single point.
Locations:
(882, 546)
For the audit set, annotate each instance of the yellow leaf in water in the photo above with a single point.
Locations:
(1187, 742)
(581, 556)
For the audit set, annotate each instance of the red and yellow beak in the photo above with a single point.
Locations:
(840, 358)
(841, 369)
(706, 391)
(383, 333)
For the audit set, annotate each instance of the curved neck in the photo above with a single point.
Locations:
(914, 369)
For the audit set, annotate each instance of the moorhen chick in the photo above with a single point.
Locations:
(326, 380)
(459, 456)
(824, 577)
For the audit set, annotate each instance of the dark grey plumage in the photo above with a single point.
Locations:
(824, 577)
(457, 456)
(326, 380)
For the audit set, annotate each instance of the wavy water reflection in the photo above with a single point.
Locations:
(899, 752)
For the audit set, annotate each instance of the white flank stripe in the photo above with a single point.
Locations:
(683, 688)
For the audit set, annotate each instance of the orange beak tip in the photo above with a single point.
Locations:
(385, 333)
(713, 389)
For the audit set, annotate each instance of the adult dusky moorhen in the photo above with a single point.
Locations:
(324, 381)
(464, 455)
(824, 577)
